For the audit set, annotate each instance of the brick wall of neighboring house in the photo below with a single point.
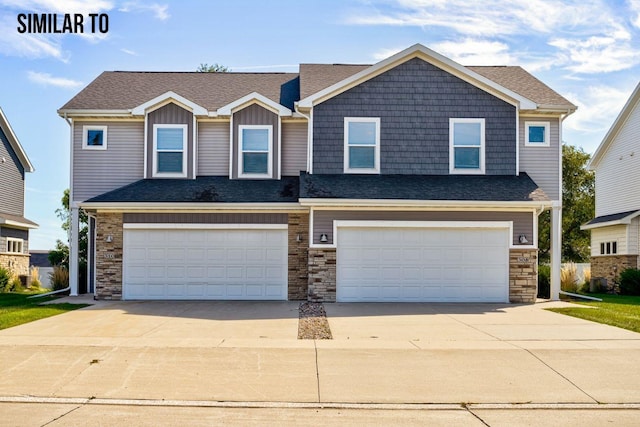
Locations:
(298, 241)
(322, 275)
(610, 266)
(16, 263)
(109, 256)
(523, 275)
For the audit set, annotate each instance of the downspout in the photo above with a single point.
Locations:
(309, 136)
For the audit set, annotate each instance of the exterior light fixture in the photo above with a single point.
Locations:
(523, 239)
(109, 238)
(299, 238)
(324, 238)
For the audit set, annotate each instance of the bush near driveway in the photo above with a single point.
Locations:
(17, 308)
(616, 310)
(630, 282)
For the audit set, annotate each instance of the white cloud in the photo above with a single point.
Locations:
(59, 6)
(47, 79)
(129, 52)
(385, 53)
(32, 46)
(476, 52)
(634, 7)
(597, 54)
(598, 106)
(160, 11)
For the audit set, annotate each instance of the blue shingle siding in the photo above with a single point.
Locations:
(415, 101)
(11, 179)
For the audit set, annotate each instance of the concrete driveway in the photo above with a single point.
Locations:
(197, 354)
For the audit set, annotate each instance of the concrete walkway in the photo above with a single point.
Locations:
(383, 356)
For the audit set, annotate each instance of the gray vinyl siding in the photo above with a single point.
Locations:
(542, 163)
(11, 179)
(98, 171)
(16, 234)
(205, 218)
(414, 102)
(323, 220)
(170, 114)
(294, 148)
(254, 114)
(213, 149)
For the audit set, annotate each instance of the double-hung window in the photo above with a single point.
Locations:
(362, 145)
(466, 146)
(169, 150)
(536, 134)
(256, 151)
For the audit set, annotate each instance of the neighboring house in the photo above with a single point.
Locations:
(40, 259)
(615, 231)
(14, 227)
(414, 179)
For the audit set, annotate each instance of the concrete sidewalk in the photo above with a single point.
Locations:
(381, 354)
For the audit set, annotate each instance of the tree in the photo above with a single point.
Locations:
(578, 206)
(215, 68)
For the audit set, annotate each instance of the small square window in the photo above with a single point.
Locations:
(94, 137)
(536, 134)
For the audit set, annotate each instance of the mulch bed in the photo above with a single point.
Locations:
(312, 323)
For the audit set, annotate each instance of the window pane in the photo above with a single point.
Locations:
(362, 133)
(466, 158)
(94, 138)
(170, 162)
(362, 157)
(255, 163)
(466, 134)
(536, 134)
(169, 138)
(255, 140)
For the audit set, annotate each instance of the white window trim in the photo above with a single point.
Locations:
(547, 136)
(86, 129)
(269, 173)
(376, 168)
(185, 141)
(19, 242)
(466, 171)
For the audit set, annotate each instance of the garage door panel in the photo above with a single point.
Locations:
(205, 264)
(422, 264)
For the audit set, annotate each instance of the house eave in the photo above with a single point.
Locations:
(15, 143)
(17, 224)
(622, 221)
(180, 207)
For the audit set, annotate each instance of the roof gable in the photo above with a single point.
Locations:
(253, 98)
(15, 144)
(428, 55)
(632, 103)
(164, 99)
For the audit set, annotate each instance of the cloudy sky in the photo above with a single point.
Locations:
(587, 50)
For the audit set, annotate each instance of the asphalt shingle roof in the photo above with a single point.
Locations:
(612, 217)
(17, 218)
(205, 189)
(422, 187)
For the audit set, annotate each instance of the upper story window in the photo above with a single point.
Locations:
(94, 137)
(256, 151)
(169, 150)
(362, 145)
(536, 134)
(466, 146)
(14, 246)
(608, 248)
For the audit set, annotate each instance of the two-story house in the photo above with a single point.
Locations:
(14, 227)
(615, 231)
(413, 179)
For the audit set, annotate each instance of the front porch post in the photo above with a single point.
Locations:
(74, 253)
(556, 250)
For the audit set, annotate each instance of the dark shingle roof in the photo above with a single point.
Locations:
(612, 217)
(315, 77)
(205, 189)
(422, 187)
(123, 90)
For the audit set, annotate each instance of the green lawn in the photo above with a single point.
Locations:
(16, 309)
(617, 310)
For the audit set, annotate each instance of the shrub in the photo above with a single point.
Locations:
(5, 277)
(34, 273)
(630, 281)
(586, 284)
(569, 278)
(544, 281)
(59, 277)
(15, 285)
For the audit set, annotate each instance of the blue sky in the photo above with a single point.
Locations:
(587, 50)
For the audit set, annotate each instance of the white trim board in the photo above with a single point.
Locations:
(192, 226)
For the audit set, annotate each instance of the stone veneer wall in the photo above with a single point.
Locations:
(610, 266)
(322, 275)
(17, 263)
(523, 275)
(109, 256)
(298, 256)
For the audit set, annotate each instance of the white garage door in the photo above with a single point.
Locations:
(423, 264)
(205, 264)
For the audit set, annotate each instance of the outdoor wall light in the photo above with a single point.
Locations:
(324, 238)
(523, 239)
(109, 238)
(299, 238)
